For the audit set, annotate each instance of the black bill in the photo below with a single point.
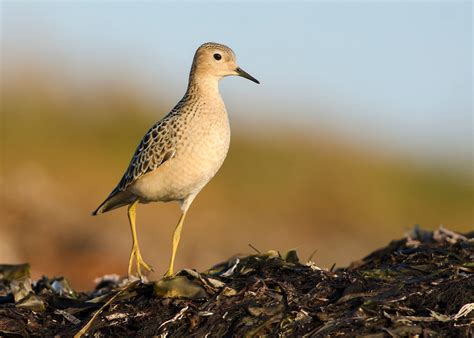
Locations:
(243, 73)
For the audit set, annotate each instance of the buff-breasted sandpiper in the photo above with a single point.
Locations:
(181, 153)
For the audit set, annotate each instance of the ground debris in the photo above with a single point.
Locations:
(420, 285)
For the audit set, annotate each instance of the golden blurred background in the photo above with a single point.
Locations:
(64, 147)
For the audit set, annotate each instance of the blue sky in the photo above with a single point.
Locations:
(398, 73)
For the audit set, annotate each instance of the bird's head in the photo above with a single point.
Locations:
(216, 60)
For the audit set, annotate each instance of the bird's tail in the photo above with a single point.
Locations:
(114, 201)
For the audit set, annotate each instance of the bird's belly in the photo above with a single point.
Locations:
(192, 167)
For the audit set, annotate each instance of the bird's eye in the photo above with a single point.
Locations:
(217, 56)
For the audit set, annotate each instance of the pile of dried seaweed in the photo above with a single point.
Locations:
(419, 285)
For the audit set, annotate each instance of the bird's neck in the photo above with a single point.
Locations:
(205, 86)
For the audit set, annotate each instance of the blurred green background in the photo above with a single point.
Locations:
(361, 128)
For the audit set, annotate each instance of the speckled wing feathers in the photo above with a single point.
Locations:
(156, 147)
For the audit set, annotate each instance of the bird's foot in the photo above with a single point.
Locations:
(139, 262)
(168, 273)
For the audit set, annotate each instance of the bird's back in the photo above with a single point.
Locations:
(200, 137)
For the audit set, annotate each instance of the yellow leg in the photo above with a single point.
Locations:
(135, 248)
(176, 238)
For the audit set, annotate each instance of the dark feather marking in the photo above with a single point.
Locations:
(156, 147)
